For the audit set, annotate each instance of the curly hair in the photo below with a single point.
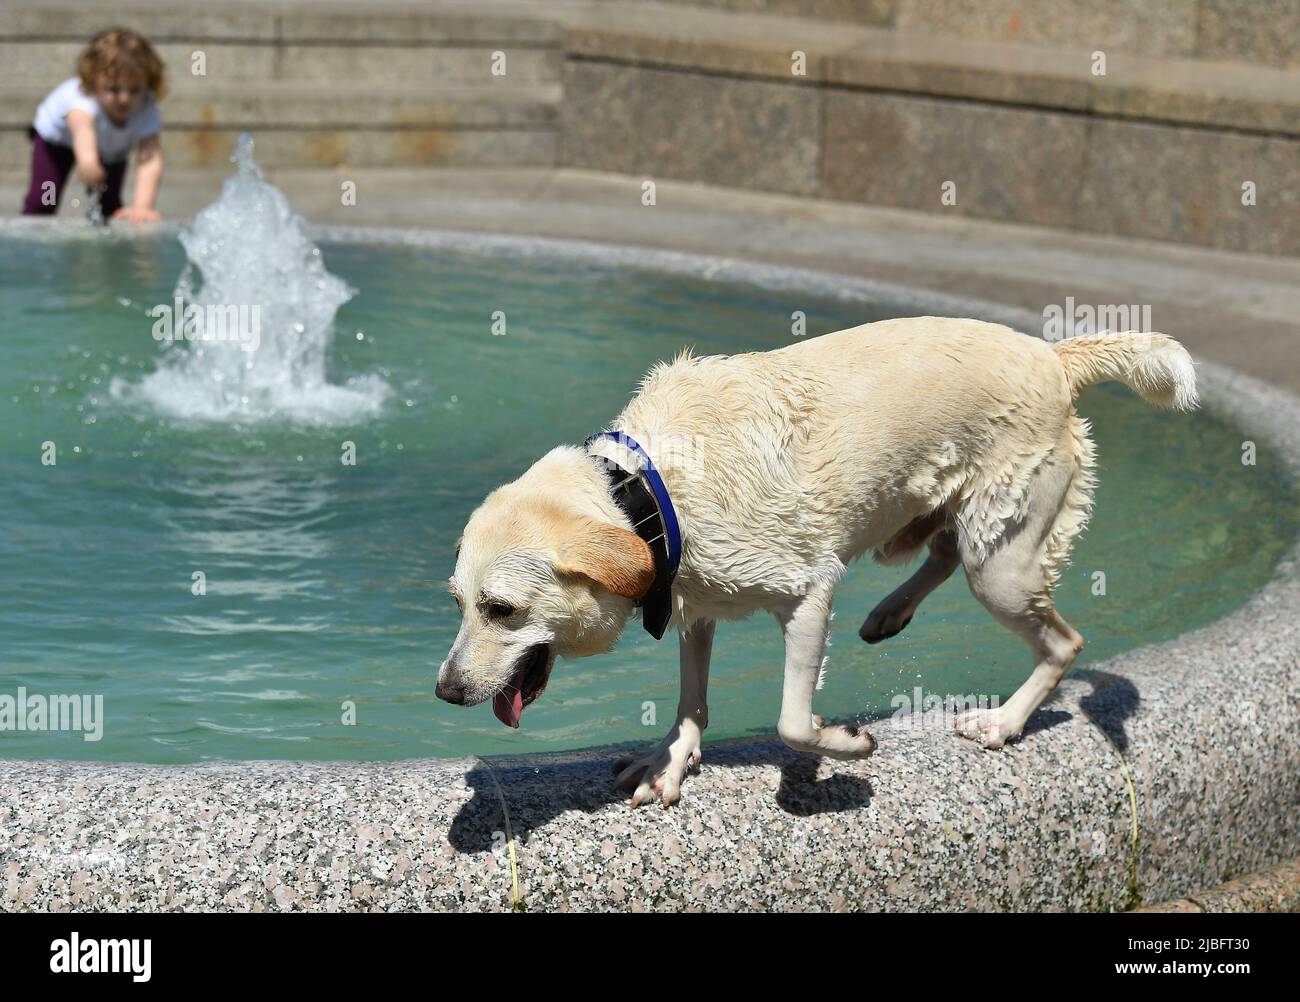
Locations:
(120, 53)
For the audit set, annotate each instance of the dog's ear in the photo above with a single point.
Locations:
(614, 558)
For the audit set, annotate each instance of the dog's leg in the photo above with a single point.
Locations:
(1014, 583)
(892, 615)
(806, 624)
(1055, 645)
(659, 774)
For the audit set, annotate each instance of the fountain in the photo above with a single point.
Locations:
(255, 306)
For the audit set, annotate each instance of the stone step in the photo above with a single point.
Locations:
(198, 64)
(661, 35)
(491, 124)
(353, 148)
(233, 106)
(352, 22)
(1249, 31)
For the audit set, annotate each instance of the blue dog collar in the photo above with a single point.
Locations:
(653, 519)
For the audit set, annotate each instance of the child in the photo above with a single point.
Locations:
(93, 120)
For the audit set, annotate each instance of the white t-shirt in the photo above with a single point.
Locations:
(115, 142)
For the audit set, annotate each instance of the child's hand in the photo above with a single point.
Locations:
(92, 172)
(135, 215)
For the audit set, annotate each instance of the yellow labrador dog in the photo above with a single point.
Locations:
(744, 482)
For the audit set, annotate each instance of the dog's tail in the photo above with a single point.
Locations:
(1154, 366)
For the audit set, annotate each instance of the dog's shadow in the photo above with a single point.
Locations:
(1113, 700)
(536, 795)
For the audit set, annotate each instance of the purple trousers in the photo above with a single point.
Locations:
(52, 162)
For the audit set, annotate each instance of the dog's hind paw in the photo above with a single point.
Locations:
(885, 621)
(985, 727)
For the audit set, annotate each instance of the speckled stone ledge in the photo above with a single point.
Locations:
(1148, 777)
(1274, 890)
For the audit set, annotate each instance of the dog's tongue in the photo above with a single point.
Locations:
(509, 708)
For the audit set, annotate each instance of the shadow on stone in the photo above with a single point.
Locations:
(801, 794)
(536, 795)
(1112, 701)
(1043, 720)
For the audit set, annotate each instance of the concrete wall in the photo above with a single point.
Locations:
(1156, 147)
(1252, 31)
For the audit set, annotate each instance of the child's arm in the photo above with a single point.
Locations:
(84, 147)
(148, 178)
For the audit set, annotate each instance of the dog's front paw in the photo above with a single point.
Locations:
(842, 741)
(658, 775)
(839, 741)
(986, 727)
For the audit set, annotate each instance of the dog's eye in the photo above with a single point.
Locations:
(499, 610)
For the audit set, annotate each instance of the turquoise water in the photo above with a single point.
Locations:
(325, 582)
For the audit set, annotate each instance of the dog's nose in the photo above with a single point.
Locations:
(451, 693)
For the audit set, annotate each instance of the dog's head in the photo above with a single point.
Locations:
(537, 578)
